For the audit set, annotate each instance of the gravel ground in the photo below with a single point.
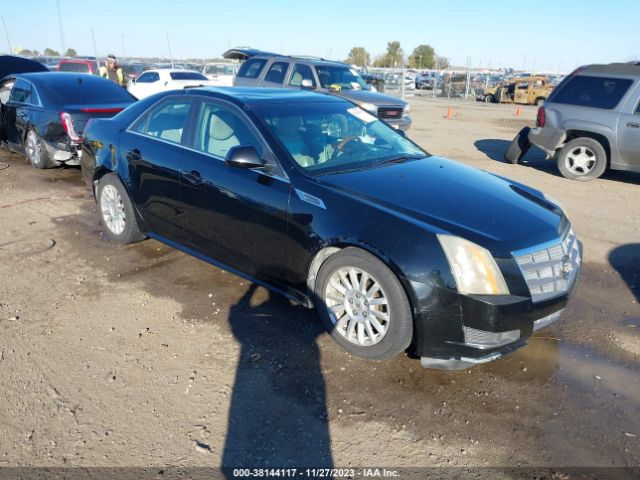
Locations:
(140, 355)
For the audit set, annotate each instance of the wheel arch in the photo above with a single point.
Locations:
(324, 253)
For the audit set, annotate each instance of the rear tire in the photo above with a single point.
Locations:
(582, 159)
(116, 211)
(489, 99)
(519, 147)
(371, 317)
(36, 151)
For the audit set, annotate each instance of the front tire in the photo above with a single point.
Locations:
(37, 151)
(363, 305)
(116, 211)
(582, 159)
(489, 99)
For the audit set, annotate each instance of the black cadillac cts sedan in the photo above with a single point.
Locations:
(314, 198)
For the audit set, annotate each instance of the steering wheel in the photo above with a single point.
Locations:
(340, 146)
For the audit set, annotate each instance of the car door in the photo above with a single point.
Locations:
(5, 91)
(629, 136)
(237, 216)
(18, 113)
(301, 72)
(521, 94)
(146, 84)
(153, 149)
(275, 75)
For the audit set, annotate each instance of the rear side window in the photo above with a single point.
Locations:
(21, 92)
(597, 92)
(187, 76)
(276, 72)
(251, 68)
(166, 120)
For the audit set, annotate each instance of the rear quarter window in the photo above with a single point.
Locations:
(251, 68)
(596, 92)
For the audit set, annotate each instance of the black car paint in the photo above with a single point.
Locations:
(16, 119)
(255, 224)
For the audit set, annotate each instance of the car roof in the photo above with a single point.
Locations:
(631, 69)
(51, 79)
(263, 96)
(250, 53)
(77, 60)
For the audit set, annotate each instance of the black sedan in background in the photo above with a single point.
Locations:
(315, 198)
(43, 115)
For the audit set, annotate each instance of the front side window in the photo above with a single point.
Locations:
(587, 91)
(276, 72)
(251, 68)
(328, 137)
(148, 77)
(342, 77)
(166, 120)
(300, 73)
(218, 129)
(21, 92)
(5, 91)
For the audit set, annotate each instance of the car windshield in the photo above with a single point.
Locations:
(74, 67)
(187, 76)
(331, 137)
(343, 77)
(219, 70)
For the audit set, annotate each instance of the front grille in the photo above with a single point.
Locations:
(550, 269)
(390, 113)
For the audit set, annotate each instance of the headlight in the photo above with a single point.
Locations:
(407, 109)
(473, 267)
(370, 107)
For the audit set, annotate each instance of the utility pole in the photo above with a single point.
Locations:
(124, 53)
(95, 50)
(62, 43)
(6, 32)
(170, 54)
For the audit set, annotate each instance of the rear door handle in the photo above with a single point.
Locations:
(633, 125)
(193, 177)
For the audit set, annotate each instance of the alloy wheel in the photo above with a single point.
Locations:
(357, 306)
(112, 209)
(33, 147)
(580, 160)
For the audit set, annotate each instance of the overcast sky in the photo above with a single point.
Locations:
(537, 35)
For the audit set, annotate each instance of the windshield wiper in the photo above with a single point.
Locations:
(400, 159)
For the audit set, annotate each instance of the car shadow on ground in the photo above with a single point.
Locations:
(495, 148)
(278, 416)
(625, 259)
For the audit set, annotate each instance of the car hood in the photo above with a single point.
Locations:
(10, 65)
(449, 197)
(361, 96)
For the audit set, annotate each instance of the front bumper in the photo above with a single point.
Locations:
(455, 331)
(403, 123)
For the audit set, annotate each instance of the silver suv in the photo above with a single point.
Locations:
(589, 123)
(264, 69)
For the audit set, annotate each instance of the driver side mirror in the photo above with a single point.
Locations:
(306, 84)
(244, 156)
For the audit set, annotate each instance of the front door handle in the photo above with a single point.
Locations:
(193, 177)
(134, 155)
(633, 125)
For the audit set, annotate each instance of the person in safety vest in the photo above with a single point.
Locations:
(113, 71)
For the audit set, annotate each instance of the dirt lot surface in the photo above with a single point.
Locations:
(143, 356)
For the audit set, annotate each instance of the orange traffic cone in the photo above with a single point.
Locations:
(450, 113)
(518, 112)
